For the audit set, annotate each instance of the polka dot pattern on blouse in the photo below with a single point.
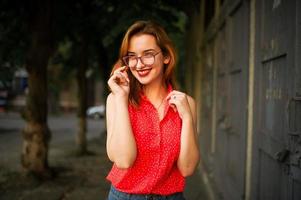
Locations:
(158, 142)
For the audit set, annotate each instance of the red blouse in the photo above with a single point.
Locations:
(158, 143)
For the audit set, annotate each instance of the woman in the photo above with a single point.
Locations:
(151, 127)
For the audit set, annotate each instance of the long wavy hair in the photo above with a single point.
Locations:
(166, 46)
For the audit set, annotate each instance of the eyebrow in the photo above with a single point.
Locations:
(145, 51)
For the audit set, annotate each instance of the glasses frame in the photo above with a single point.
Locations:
(124, 58)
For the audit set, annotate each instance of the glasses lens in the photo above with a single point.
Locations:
(148, 59)
(130, 61)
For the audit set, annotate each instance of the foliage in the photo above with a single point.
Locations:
(102, 24)
(13, 39)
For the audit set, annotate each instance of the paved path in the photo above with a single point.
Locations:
(63, 129)
(76, 178)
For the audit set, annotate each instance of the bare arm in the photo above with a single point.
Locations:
(121, 145)
(189, 150)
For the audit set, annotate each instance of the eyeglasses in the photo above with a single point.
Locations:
(146, 59)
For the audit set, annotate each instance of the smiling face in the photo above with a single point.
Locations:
(146, 45)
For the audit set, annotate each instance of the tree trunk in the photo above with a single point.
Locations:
(81, 140)
(36, 133)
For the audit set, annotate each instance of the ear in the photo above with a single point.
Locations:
(166, 59)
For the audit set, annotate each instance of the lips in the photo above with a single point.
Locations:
(143, 72)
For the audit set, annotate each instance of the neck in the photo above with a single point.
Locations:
(155, 91)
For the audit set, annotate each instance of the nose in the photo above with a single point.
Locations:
(139, 65)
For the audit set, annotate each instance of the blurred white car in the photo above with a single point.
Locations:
(96, 112)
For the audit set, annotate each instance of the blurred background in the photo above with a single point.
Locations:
(240, 60)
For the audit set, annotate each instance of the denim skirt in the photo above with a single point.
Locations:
(115, 194)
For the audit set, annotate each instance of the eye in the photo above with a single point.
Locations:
(148, 54)
(132, 57)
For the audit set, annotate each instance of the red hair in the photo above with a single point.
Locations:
(166, 46)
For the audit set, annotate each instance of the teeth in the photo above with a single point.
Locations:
(143, 72)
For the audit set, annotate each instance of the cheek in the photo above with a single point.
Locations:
(160, 65)
(159, 69)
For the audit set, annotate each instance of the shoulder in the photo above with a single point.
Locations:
(191, 101)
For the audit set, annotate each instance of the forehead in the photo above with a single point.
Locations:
(142, 42)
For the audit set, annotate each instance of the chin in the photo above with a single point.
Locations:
(143, 81)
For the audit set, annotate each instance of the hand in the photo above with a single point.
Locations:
(179, 102)
(119, 82)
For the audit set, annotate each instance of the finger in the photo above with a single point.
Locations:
(123, 72)
(177, 99)
(173, 97)
(113, 83)
(174, 107)
(174, 92)
(120, 69)
(173, 103)
(124, 68)
(170, 95)
(122, 77)
(117, 79)
(117, 70)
